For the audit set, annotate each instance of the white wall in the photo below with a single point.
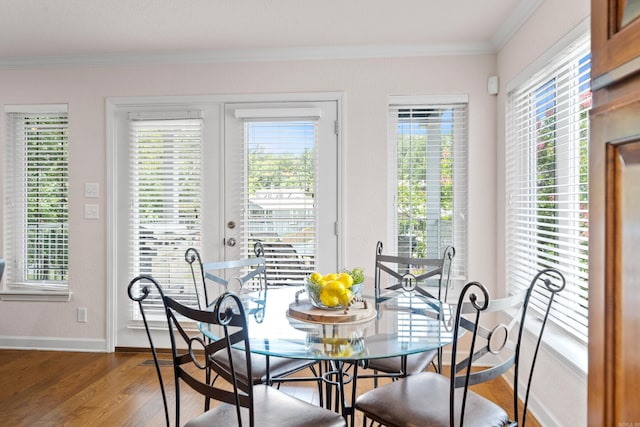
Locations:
(560, 388)
(366, 85)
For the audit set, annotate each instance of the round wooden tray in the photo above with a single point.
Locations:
(304, 310)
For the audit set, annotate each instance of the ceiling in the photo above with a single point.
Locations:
(59, 31)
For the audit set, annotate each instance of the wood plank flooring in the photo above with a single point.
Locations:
(40, 388)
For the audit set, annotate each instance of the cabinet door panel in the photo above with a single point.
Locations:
(614, 215)
(623, 274)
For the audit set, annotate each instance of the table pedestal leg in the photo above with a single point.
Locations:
(336, 378)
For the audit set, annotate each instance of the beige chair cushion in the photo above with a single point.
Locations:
(422, 400)
(271, 408)
(416, 363)
(278, 366)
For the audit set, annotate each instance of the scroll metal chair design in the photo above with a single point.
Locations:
(411, 274)
(265, 369)
(399, 272)
(241, 402)
(432, 399)
(231, 275)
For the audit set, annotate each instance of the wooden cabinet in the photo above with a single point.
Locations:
(614, 215)
(614, 34)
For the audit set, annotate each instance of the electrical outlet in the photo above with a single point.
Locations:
(91, 211)
(82, 314)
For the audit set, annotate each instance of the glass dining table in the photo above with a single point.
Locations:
(396, 324)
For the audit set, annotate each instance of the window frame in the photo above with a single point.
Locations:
(561, 68)
(16, 285)
(460, 146)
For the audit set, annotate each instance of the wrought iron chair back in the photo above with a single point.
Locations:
(252, 270)
(411, 273)
(192, 355)
(143, 288)
(228, 313)
(507, 316)
(231, 275)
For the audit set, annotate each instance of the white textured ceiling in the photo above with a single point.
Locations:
(36, 30)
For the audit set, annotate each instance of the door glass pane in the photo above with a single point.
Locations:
(280, 196)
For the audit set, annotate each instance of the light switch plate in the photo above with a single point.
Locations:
(91, 189)
(91, 211)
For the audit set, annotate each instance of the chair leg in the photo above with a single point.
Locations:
(354, 386)
(319, 381)
(207, 401)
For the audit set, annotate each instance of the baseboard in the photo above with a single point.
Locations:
(143, 350)
(53, 344)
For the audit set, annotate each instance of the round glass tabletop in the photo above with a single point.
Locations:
(403, 323)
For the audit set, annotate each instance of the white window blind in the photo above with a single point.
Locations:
(429, 159)
(36, 198)
(547, 181)
(165, 194)
(280, 207)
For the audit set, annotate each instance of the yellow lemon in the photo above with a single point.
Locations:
(331, 276)
(346, 279)
(345, 297)
(336, 287)
(315, 277)
(328, 298)
(347, 352)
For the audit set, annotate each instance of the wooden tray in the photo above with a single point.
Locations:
(304, 310)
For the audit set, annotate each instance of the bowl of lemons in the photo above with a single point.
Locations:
(334, 291)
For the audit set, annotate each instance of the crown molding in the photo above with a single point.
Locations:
(250, 55)
(512, 24)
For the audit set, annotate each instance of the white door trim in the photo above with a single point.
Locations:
(115, 103)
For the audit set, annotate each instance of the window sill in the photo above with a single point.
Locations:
(563, 346)
(35, 295)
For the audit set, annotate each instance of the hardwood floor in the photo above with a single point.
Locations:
(40, 388)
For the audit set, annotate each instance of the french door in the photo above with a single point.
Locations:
(219, 176)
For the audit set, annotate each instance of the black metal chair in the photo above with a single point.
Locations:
(409, 274)
(237, 273)
(432, 399)
(241, 401)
